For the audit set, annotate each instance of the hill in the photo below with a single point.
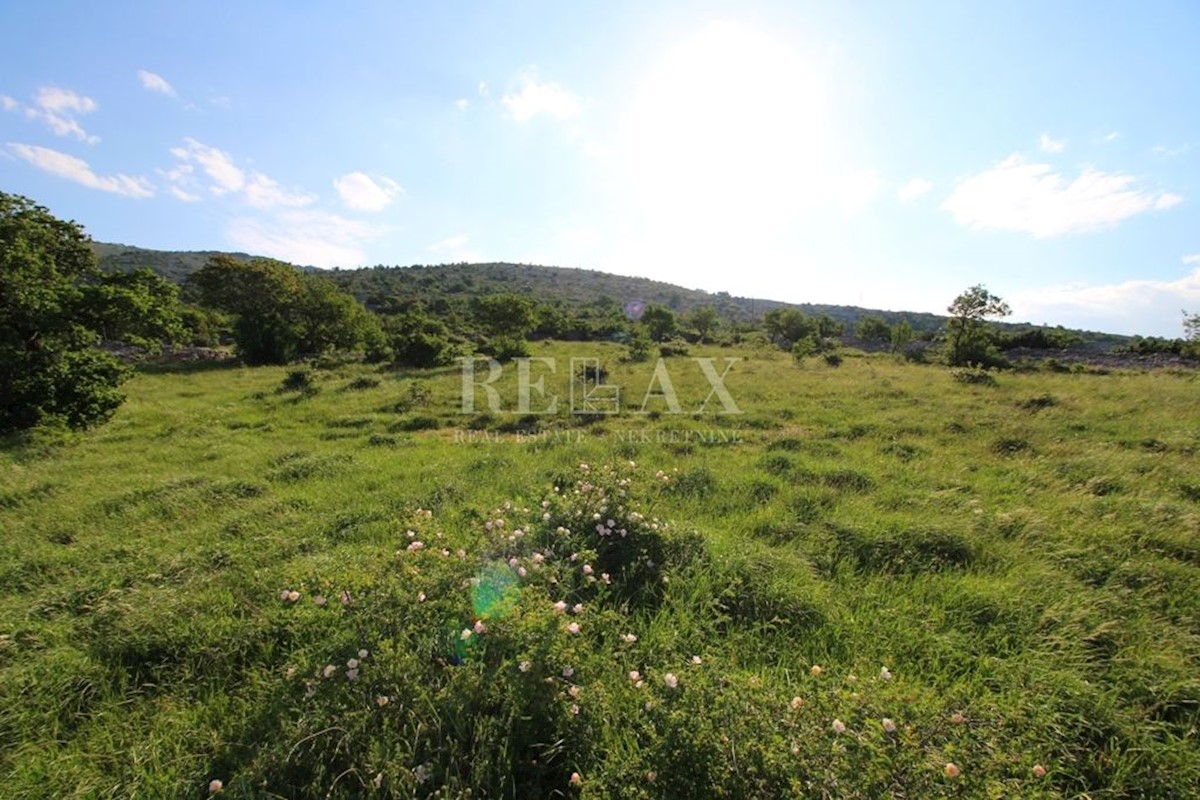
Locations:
(174, 265)
(568, 286)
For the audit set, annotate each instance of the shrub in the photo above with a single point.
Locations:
(506, 348)
(915, 352)
(973, 376)
(362, 382)
(639, 346)
(673, 347)
(299, 380)
(803, 348)
(1036, 404)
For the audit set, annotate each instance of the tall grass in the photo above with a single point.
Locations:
(1009, 575)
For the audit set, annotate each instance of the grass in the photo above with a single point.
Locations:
(1023, 558)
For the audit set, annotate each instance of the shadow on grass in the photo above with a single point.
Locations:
(36, 443)
(164, 367)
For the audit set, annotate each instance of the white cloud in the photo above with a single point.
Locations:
(1192, 259)
(1171, 152)
(56, 108)
(535, 97)
(1109, 137)
(1049, 145)
(155, 83)
(263, 192)
(310, 237)
(1016, 195)
(913, 189)
(217, 164)
(1148, 307)
(181, 182)
(361, 192)
(59, 100)
(483, 89)
(226, 178)
(183, 194)
(1167, 200)
(462, 103)
(77, 170)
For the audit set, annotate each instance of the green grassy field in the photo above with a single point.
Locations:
(873, 573)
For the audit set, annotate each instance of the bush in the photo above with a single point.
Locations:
(673, 347)
(639, 346)
(299, 380)
(973, 376)
(915, 353)
(1038, 339)
(361, 383)
(506, 348)
(419, 341)
(803, 348)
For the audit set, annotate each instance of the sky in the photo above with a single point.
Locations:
(880, 154)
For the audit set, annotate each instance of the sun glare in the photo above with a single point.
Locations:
(725, 140)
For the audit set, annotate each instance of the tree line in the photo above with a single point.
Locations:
(56, 306)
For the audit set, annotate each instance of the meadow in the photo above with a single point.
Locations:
(879, 580)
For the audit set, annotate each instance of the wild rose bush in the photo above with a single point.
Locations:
(573, 643)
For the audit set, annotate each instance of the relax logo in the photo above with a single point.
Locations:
(587, 394)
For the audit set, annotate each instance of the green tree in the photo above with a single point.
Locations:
(829, 328)
(281, 313)
(48, 365)
(705, 320)
(205, 327)
(139, 308)
(873, 329)
(502, 315)
(1191, 333)
(785, 326)
(506, 319)
(418, 340)
(966, 331)
(549, 321)
(660, 322)
(639, 345)
(902, 336)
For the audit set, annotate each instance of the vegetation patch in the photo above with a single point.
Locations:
(451, 610)
(299, 465)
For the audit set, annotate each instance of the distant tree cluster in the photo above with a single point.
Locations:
(801, 334)
(281, 313)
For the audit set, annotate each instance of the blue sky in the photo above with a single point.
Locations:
(873, 153)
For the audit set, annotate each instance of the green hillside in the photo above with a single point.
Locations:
(174, 265)
(557, 285)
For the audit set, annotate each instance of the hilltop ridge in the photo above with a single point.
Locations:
(568, 285)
